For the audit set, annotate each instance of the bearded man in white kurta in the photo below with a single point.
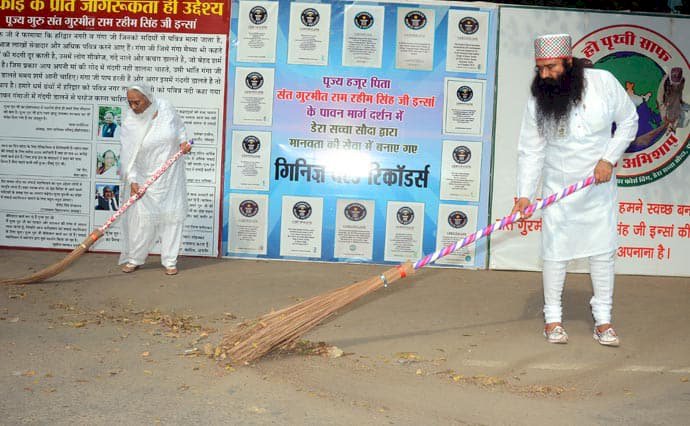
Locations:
(152, 132)
(566, 136)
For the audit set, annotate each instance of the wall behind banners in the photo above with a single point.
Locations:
(654, 213)
(358, 132)
(64, 67)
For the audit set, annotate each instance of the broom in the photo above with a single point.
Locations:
(251, 340)
(97, 233)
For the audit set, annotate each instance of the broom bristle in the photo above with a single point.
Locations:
(254, 339)
(58, 267)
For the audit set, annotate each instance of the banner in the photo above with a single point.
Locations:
(649, 57)
(363, 128)
(64, 70)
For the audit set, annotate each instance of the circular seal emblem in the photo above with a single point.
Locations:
(457, 219)
(468, 25)
(251, 144)
(258, 15)
(248, 208)
(301, 210)
(415, 20)
(652, 70)
(364, 20)
(462, 154)
(355, 212)
(310, 17)
(254, 80)
(405, 215)
(465, 93)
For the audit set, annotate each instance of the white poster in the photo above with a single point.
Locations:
(404, 231)
(468, 34)
(256, 31)
(363, 36)
(414, 48)
(248, 224)
(461, 163)
(251, 154)
(301, 226)
(643, 52)
(463, 107)
(354, 229)
(253, 104)
(60, 135)
(310, 32)
(455, 222)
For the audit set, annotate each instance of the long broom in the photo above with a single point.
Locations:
(254, 339)
(97, 233)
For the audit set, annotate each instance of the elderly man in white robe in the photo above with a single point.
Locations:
(566, 136)
(152, 132)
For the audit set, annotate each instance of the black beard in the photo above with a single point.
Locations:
(556, 97)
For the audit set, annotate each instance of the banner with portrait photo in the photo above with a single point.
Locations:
(64, 72)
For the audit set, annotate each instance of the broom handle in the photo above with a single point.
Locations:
(154, 177)
(543, 203)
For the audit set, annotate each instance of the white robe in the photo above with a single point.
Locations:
(165, 201)
(584, 223)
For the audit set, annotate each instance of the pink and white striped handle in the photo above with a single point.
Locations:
(541, 204)
(158, 173)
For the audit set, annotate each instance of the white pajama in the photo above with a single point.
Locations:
(601, 269)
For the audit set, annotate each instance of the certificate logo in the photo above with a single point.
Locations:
(355, 212)
(652, 70)
(405, 215)
(457, 219)
(468, 25)
(301, 210)
(462, 154)
(364, 20)
(465, 93)
(254, 80)
(248, 208)
(251, 144)
(310, 17)
(258, 15)
(415, 20)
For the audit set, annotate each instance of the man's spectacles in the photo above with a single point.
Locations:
(550, 67)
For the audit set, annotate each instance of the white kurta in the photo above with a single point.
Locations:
(165, 201)
(584, 223)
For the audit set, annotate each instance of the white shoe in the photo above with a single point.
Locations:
(556, 335)
(607, 337)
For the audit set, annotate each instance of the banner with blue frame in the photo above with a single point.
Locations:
(358, 132)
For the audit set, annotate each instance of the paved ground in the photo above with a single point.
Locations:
(95, 346)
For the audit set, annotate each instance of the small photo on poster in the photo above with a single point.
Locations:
(109, 121)
(108, 162)
(107, 197)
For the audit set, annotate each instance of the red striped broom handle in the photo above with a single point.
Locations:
(541, 204)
